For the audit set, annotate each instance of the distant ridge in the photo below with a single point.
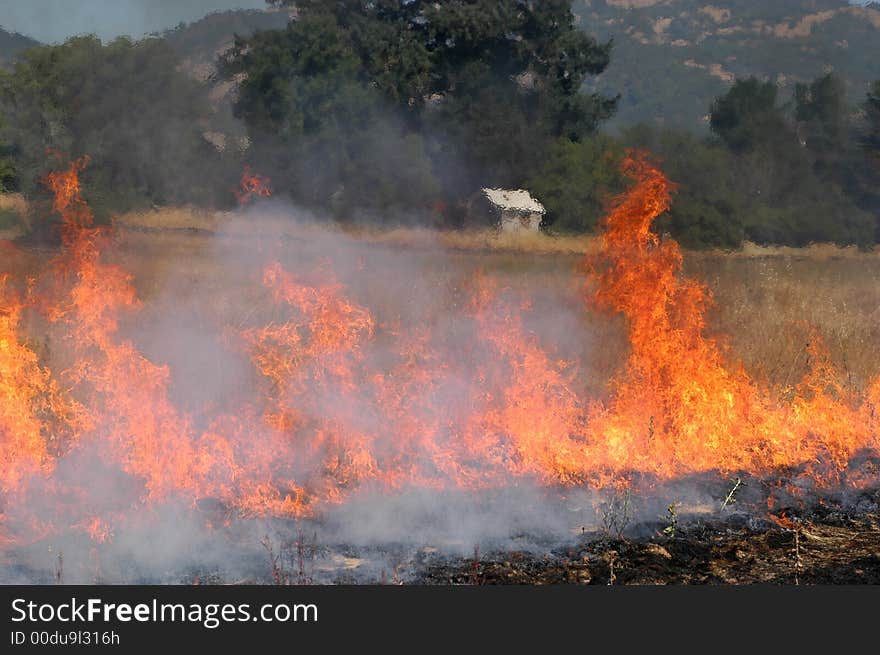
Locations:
(672, 57)
(12, 44)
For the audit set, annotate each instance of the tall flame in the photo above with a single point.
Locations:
(679, 407)
(348, 402)
(25, 393)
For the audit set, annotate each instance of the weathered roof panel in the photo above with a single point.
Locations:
(518, 199)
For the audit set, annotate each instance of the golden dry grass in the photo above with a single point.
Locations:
(764, 297)
(181, 218)
(766, 307)
(13, 203)
(283, 226)
(813, 252)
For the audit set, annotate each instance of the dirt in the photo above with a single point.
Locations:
(757, 298)
(827, 548)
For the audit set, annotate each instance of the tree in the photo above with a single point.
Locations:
(871, 139)
(793, 178)
(747, 117)
(7, 175)
(413, 50)
(771, 163)
(709, 209)
(319, 128)
(478, 87)
(870, 142)
(576, 180)
(824, 128)
(8, 181)
(821, 112)
(127, 106)
(769, 192)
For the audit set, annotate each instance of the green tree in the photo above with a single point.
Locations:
(794, 177)
(822, 113)
(770, 194)
(319, 128)
(871, 138)
(479, 88)
(124, 104)
(576, 180)
(413, 50)
(870, 142)
(708, 210)
(747, 117)
(8, 180)
(771, 163)
(824, 127)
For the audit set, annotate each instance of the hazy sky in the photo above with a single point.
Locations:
(55, 20)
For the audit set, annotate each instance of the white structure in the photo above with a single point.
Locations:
(516, 210)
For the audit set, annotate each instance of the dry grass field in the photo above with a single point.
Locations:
(13, 215)
(205, 268)
(765, 298)
(198, 276)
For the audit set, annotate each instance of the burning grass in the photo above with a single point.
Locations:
(279, 225)
(283, 372)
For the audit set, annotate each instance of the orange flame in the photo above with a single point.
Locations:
(678, 407)
(37, 421)
(348, 402)
(24, 391)
(252, 185)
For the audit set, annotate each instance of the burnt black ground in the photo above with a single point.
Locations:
(833, 538)
(824, 546)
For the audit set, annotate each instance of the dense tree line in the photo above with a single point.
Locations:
(388, 111)
(125, 104)
(8, 176)
(772, 172)
(383, 105)
(795, 172)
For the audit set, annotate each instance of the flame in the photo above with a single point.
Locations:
(97, 529)
(68, 202)
(37, 421)
(679, 407)
(25, 391)
(252, 185)
(133, 424)
(347, 402)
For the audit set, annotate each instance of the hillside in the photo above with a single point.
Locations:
(672, 57)
(199, 44)
(11, 44)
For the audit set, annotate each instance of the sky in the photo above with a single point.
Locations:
(53, 21)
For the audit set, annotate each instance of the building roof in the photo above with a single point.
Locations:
(519, 199)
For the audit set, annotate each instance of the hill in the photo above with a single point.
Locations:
(199, 45)
(202, 41)
(672, 57)
(11, 44)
